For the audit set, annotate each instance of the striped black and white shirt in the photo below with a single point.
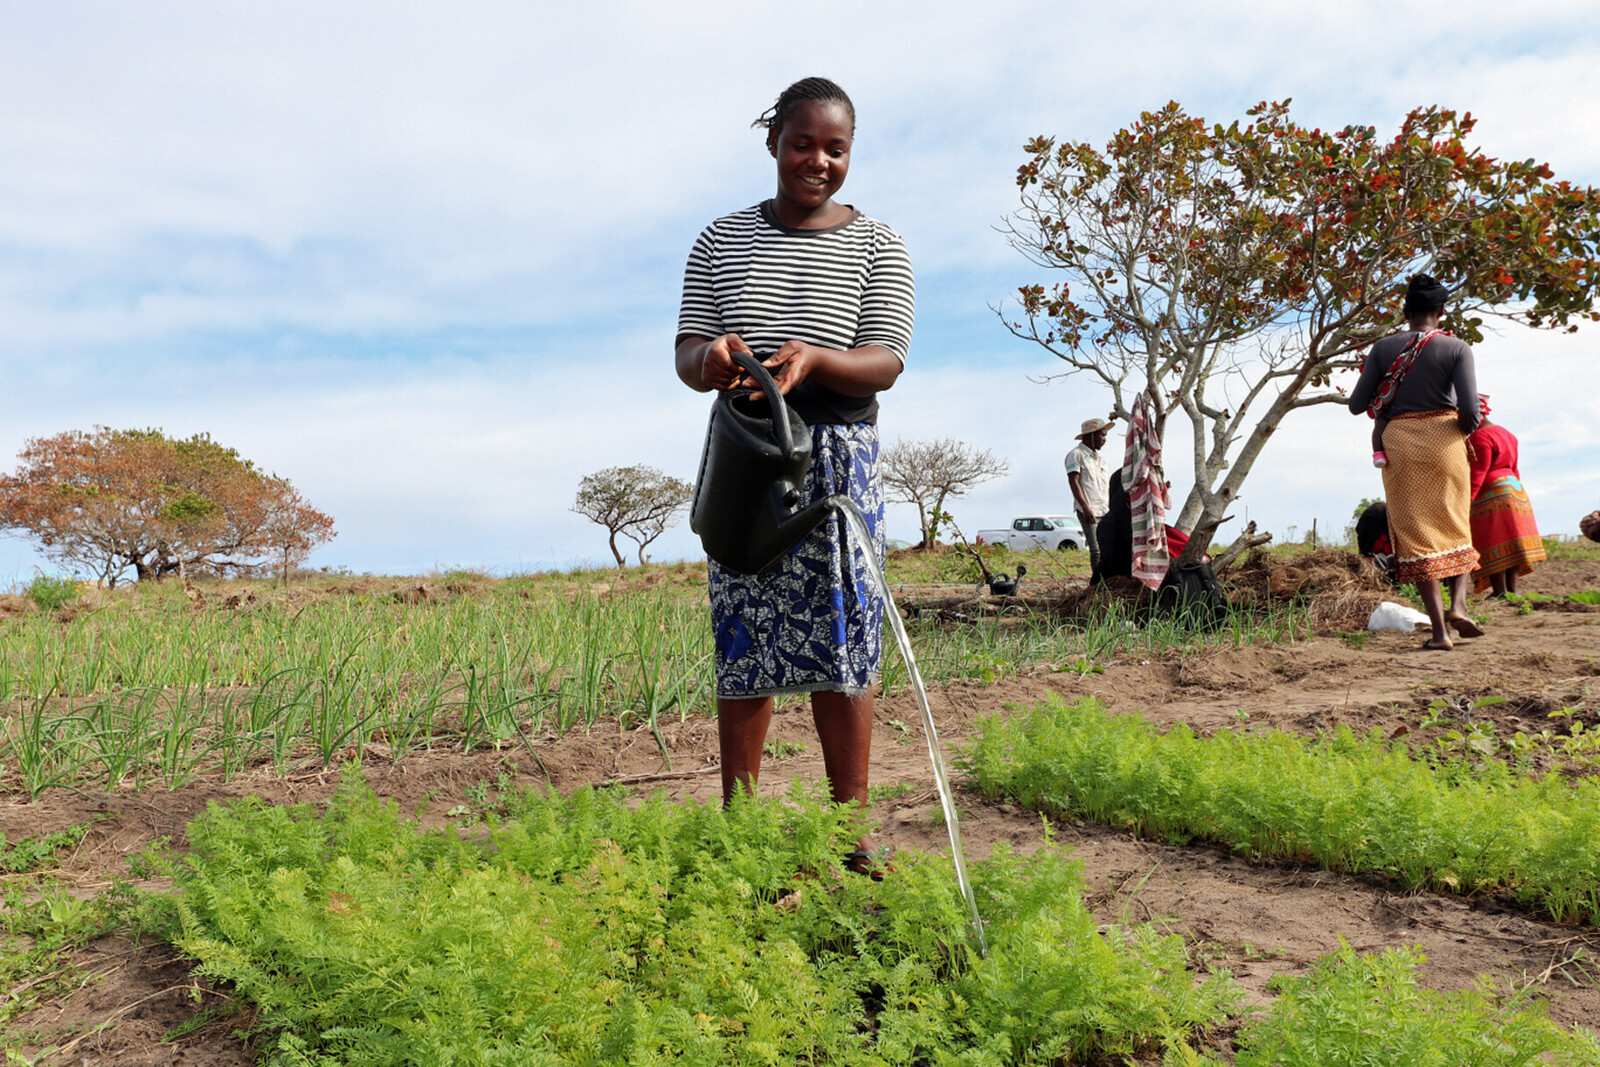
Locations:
(842, 287)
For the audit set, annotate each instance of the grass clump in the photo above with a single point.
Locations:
(52, 594)
(32, 853)
(42, 926)
(1343, 802)
(589, 930)
(1351, 1010)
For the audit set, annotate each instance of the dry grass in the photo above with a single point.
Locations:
(1340, 587)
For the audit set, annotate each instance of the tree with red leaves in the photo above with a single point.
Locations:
(115, 499)
(1229, 271)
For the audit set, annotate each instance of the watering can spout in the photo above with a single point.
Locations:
(746, 498)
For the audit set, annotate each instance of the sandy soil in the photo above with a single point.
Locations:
(1259, 921)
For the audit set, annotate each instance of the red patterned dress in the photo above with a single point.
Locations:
(1503, 530)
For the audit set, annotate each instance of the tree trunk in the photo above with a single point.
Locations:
(617, 552)
(1200, 539)
(1216, 502)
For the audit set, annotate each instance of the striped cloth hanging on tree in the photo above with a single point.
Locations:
(1146, 483)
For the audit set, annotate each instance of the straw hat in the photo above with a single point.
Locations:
(1092, 426)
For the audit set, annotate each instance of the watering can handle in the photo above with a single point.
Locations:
(769, 386)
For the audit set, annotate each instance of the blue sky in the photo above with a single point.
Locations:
(424, 259)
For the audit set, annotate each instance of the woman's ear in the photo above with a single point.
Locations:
(772, 141)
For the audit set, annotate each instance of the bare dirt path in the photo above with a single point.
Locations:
(1259, 921)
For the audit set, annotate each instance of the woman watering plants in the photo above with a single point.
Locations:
(822, 295)
(1424, 383)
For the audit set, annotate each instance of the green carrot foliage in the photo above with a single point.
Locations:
(1351, 1010)
(1343, 802)
(597, 930)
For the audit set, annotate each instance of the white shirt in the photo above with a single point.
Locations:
(1092, 478)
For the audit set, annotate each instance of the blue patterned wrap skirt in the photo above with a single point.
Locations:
(814, 619)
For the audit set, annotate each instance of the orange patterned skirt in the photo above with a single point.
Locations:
(1427, 483)
(1503, 530)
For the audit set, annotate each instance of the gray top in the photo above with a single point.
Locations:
(1443, 377)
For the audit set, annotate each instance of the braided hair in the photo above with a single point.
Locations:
(813, 90)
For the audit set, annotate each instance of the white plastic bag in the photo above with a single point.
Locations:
(1392, 616)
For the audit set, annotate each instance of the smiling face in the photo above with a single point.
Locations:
(813, 154)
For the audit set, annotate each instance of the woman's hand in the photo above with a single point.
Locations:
(858, 372)
(793, 363)
(717, 368)
(707, 362)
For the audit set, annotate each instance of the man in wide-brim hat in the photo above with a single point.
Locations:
(1091, 487)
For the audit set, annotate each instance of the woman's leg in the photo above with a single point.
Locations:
(1465, 626)
(741, 731)
(1511, 581)
(1499, 583)
(844, 726)
(1433, 604)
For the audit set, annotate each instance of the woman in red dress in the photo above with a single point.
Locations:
(1503, 530)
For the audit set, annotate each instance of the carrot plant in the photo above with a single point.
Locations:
(596, 930)
(1346, 803)
(1350, 1010)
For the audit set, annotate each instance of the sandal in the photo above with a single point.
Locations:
(1465, 626)
(1433, 645)
(873, 864)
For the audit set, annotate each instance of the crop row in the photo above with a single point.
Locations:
(125, 698)
(158, 641)
(151, 690)
(597, 930)
(1357, 804)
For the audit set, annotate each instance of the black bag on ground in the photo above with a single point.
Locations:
(1191, 594)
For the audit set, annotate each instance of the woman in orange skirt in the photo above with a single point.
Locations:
(1503, 530)
(1424, 383)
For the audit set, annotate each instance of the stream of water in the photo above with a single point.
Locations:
(858, 523)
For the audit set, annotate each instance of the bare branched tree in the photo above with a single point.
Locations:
(927, 473)
(638, 502)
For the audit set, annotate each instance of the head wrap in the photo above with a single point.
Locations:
(1424, 295)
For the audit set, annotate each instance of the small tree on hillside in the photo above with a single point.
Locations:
(114, 499)
(927, 473)
(292, 528)
(638, 502)
(1231, 271)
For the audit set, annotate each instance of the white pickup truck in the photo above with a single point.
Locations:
(1036, 531)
